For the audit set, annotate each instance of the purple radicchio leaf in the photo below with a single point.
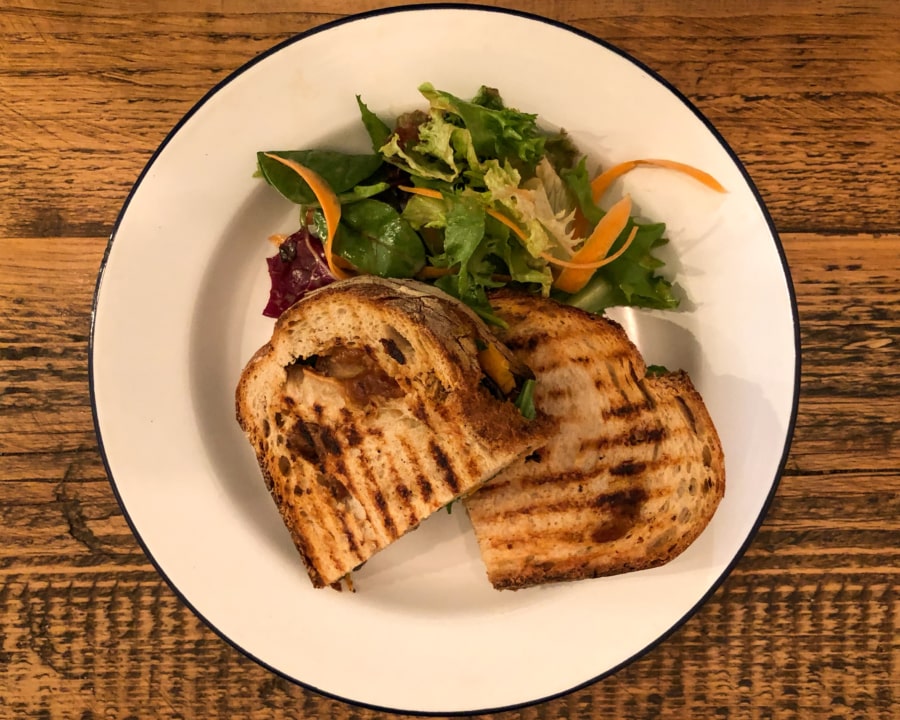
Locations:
(299, 267)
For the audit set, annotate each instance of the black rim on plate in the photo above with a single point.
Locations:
(687, 103)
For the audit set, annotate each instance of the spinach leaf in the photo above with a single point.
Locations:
(378, 130)
(374, 238)
(361, 192)
(340, 170)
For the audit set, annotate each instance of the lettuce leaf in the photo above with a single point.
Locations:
(630, 280)
(425, 212)
(579, 184)
(530, 206)
(466, 222)
(417, 163)
(497, 131)
(516, 262)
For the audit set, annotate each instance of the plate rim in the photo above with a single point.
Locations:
(654, 75)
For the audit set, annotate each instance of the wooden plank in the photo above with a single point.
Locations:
(129, 647)
(128, 98)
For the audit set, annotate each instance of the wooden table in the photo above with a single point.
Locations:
(808, 95)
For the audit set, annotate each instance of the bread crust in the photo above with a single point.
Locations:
(630, 479)
(367, 413)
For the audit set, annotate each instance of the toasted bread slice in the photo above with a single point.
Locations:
(368, 411)
(632, 475)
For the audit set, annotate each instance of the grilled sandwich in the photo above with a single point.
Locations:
(370, 408)
(632, 475)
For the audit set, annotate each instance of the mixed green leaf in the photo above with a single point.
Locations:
(471, 195)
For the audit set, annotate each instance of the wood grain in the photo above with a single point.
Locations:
(768, 81)
(808, 96)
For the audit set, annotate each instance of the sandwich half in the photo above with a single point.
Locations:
(370, 408)
(630, 478)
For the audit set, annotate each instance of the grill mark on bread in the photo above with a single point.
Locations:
(383, 489)
(527, 343)
(420, 412)
(420, 481)
(299, 442)
(632, 437)
(626, 411)
(494, 487)
(628, 507)
(645, 435)
(552, 395)
(350, 537)
(570, 493)
(349, 426)
(353, 436)
(566, 503)
(329, 440)
(629, 467)
(473, 465)
(622, 509)
(641, 385)
(384, 514)
(406, 502)
(335, 487)
(362, 476)
(686, 411)
(558, 479)
(445, 466)
(612, 376)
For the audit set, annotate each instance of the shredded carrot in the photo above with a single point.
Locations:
(519, 232)
(331, 207)
(593, 265)
(595, 248)
(430, 272)
(601, 183)
(580, 226)
(424, 192)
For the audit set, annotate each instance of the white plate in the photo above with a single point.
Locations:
(178, 313)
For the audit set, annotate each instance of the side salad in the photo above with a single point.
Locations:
(469, 195)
